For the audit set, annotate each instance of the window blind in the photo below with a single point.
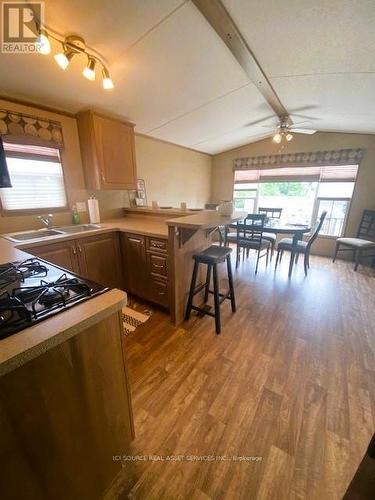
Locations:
(37, 178)
(342, 173)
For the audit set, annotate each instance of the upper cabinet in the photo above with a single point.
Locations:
(108, 152)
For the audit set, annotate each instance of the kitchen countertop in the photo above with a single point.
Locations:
(32, 342)
(207, 219)
(161, 211)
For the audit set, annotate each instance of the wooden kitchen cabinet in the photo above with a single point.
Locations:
(134, 259)
(108, 151)
(95, 257)
(99, 259)
(146, 267)
(62, 254)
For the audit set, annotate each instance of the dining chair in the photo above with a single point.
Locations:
(250, 237)
(363, 243)
(271, 213)
(303, 247)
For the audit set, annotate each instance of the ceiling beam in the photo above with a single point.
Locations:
(220, 20)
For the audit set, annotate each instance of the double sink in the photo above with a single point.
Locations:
(46, 233)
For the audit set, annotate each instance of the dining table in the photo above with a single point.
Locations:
(296, 231)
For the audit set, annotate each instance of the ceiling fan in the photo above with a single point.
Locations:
(286, 128)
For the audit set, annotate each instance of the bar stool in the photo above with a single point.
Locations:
(212, 256)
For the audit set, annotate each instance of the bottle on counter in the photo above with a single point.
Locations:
(75, 215)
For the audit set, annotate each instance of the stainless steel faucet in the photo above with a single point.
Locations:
(47, 220)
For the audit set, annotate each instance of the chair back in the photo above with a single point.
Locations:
(251, 228)
(318, 227)
(366, 229)
(271, 213)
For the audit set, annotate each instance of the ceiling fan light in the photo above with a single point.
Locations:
(277, 138)
(43, 45)
(289, 136)
(89, 71)
(107, 80)
(63, 58)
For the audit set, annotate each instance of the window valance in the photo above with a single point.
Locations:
(311, 159)
(35, 129)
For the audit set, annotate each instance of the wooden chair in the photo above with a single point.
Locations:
(250, 237)
(303, 247)
(363, 243)
(271, 213)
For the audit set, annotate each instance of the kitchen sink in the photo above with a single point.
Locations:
(33, 235)
(79, 228)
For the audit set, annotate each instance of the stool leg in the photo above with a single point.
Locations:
(231, 287)
(191, 293)
(216, 300)
(208, 279)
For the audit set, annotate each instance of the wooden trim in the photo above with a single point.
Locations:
(32, 104)
(220, 20)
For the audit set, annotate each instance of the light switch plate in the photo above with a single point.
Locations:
(81, 206)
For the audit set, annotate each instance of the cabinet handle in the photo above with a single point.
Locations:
(79, 249)
(157, 265)
(74, 251)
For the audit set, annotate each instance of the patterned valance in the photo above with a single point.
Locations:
(19, 124)
(315, 158)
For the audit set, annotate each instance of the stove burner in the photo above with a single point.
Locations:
(31, 268)
(34, 290)
(8, 274)
(55, 293)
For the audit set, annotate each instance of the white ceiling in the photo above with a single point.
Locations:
(177, 81)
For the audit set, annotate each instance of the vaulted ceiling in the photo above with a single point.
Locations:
(176, 79)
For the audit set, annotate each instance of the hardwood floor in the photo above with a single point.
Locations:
(291, 379)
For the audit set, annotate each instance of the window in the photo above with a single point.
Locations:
(303, 193)
(334, 198)
(37, 178)
(245, 197)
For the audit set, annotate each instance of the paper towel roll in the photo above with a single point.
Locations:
(94, 213)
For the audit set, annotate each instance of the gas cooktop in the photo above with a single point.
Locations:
(34, 290)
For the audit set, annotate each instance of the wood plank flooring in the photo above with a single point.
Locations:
(291, 379)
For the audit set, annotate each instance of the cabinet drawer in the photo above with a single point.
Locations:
(158, 264)
(159, 291)
(157, 245)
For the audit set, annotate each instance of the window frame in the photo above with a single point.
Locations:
(314, 216)
(35, 211)
(315, 210)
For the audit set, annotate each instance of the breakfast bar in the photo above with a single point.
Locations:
(187, 236)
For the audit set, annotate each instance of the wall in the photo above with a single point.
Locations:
(172, 173)
(364, 193)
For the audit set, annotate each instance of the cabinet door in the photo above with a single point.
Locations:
(63, 254)
(99, 258)
(135, 268)
(115, 153)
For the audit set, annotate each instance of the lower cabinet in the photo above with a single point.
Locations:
(140, 262)
(62, 254)
(145, 267)
(96, 257)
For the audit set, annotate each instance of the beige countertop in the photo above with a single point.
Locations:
(162, 211)
(31, 342)
(207, 219)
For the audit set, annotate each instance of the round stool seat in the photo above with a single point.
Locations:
(212, 255)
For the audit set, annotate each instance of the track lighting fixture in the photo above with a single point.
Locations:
(43, 44)
(107, 80)
(63, 58)
(89, 71)
(73, 46)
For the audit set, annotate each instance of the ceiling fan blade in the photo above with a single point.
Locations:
(255, 122)
(303, 131)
